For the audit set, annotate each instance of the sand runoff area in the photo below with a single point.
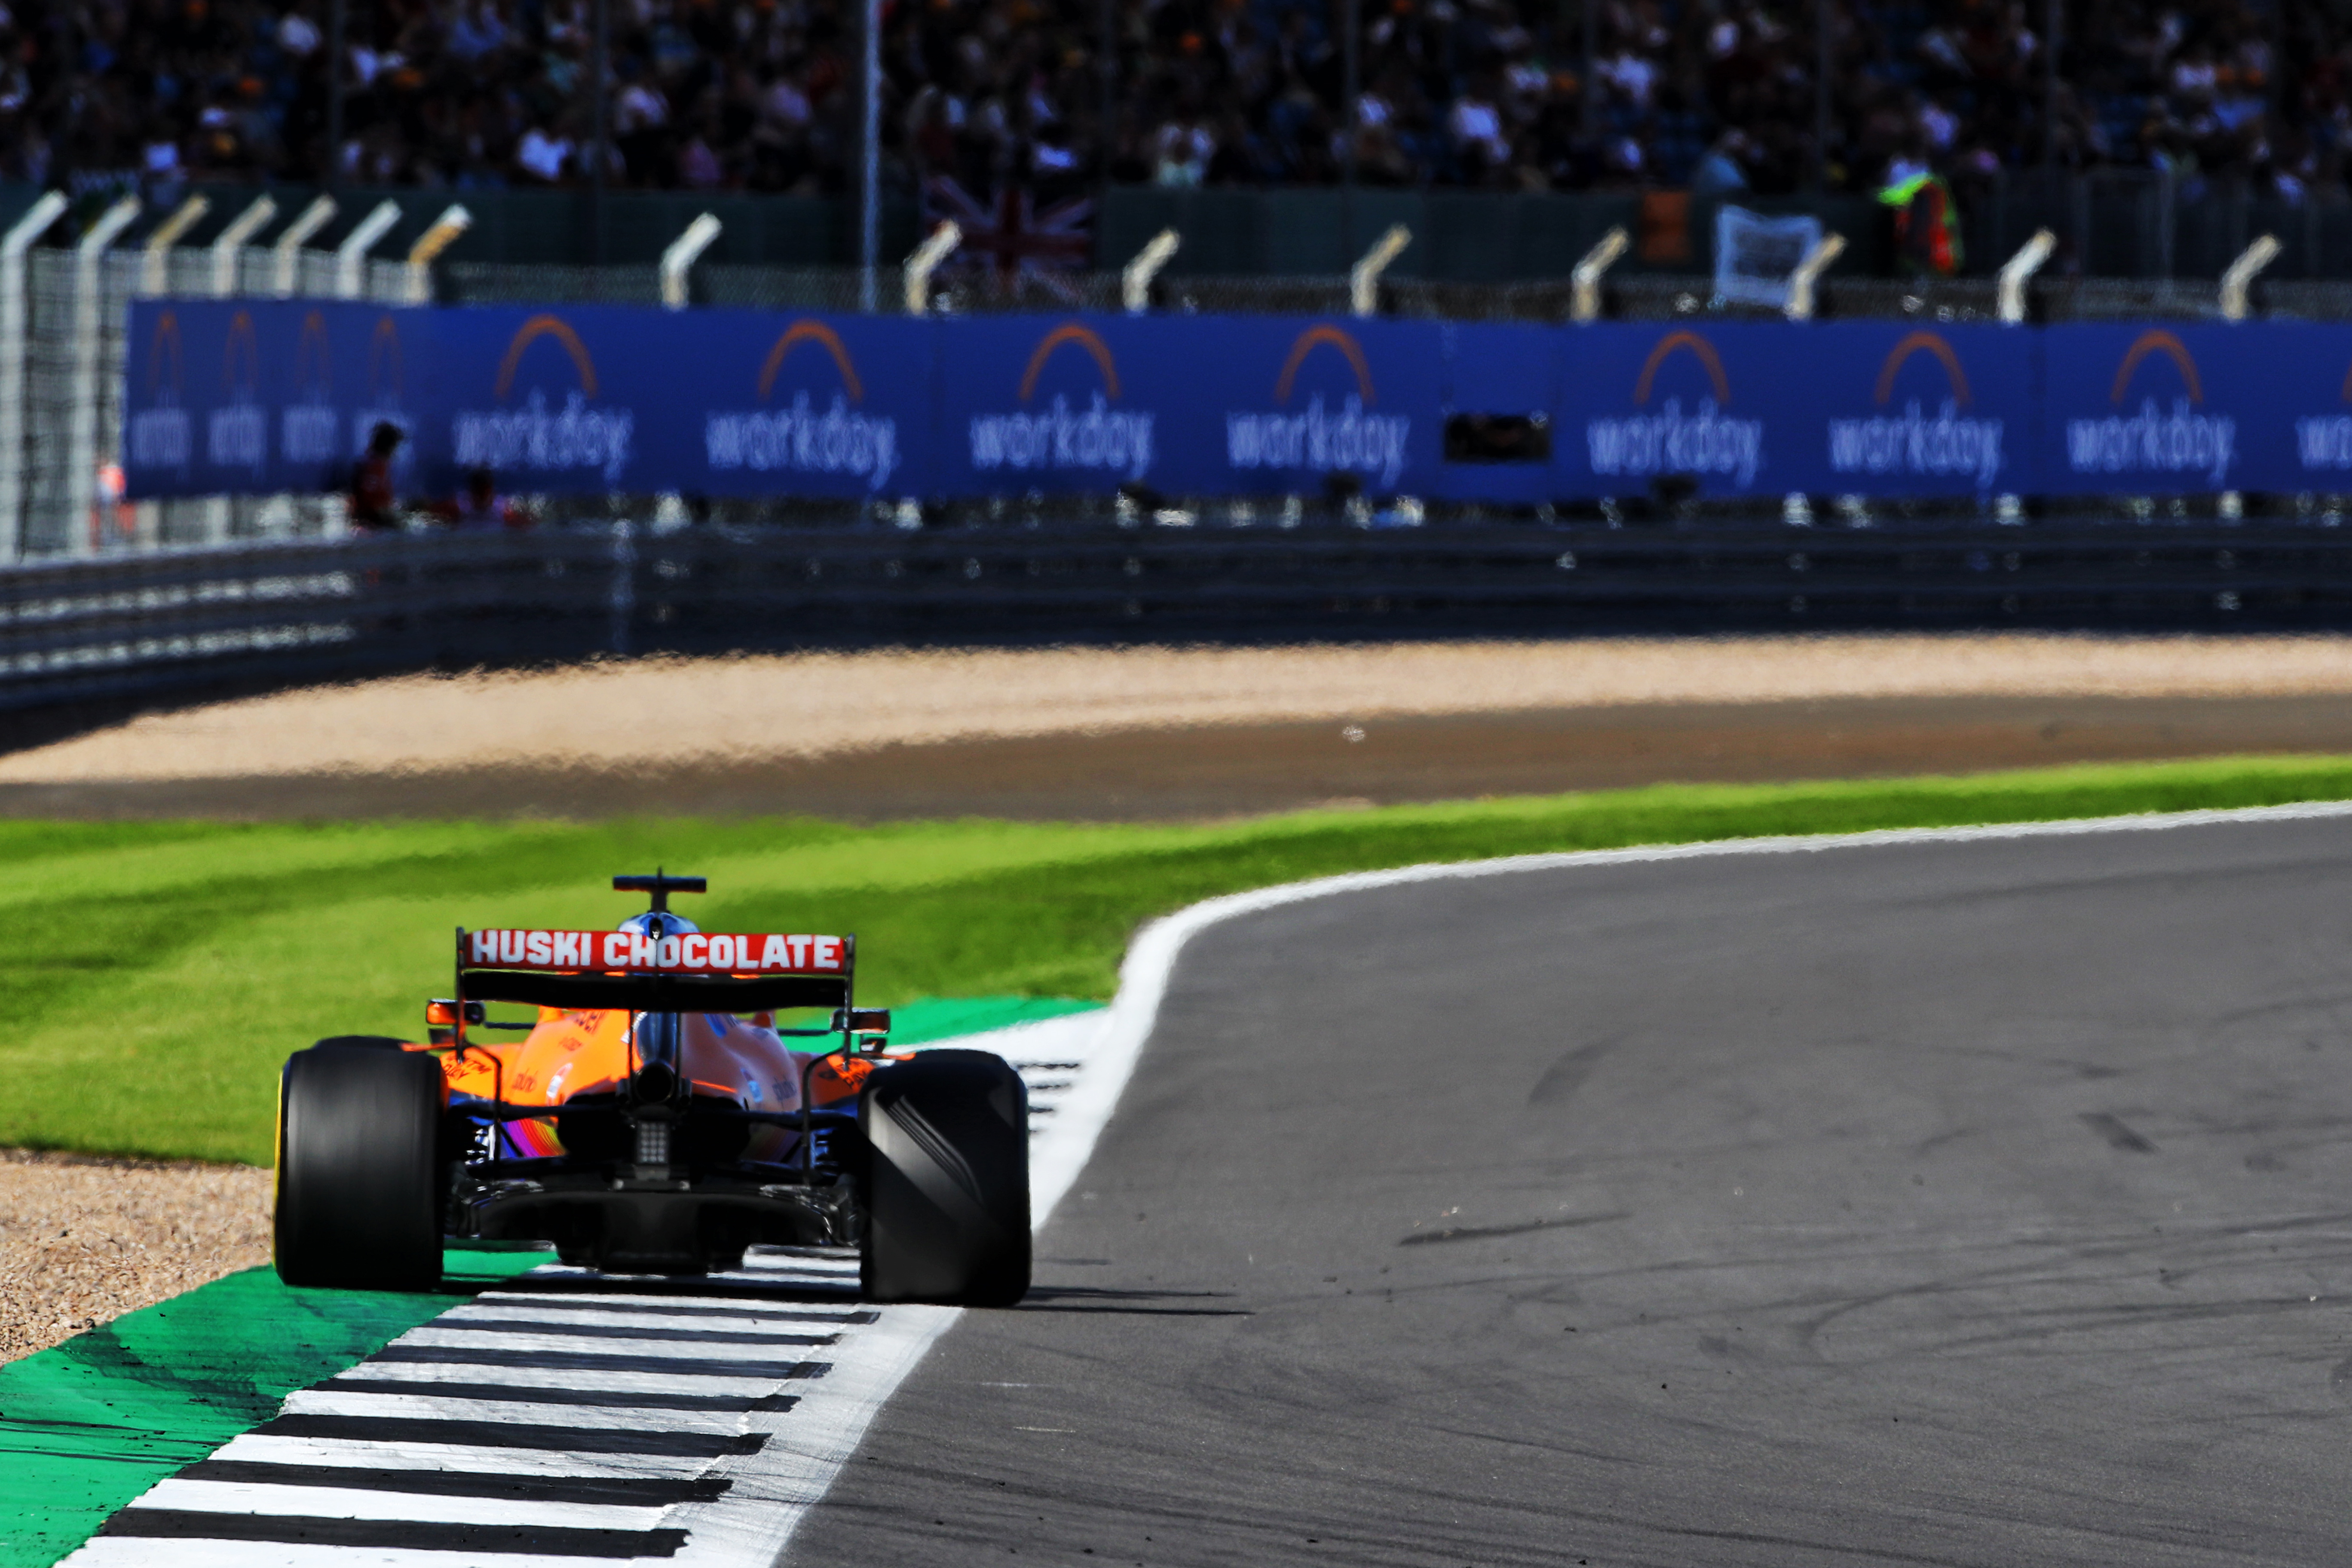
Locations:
(83, 1241)
(1189, 731)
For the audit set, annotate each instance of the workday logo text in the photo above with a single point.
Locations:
(838, 441)
(536, 439)
(159, 436)
(1350, 438)
(2184, 440)
(236, 434)
(1058, 437)
(1669, 440)
(1948, 444)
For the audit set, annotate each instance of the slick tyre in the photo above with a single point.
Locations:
(358, 1202)
(947, 1181)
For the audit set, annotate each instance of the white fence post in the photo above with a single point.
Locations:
(351, 257)
(1826, 249)
(1364, 280)
(13, 310)
(156, 267)
(228, 250)
(677, 261)
(1135, 279)
(2239, 277)
(2019, 271)
(88, 344)
(287, 252)
(454, 221)
(1585, 303)
(925, 261)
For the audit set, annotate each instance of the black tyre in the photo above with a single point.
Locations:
(947, 1181)
(359, 1204)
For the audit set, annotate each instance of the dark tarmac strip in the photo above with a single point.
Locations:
(1967, 1202)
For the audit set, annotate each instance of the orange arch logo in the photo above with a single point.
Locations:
(1699, 349)
(313, 358)
(1322, 337)
(383, 355)
(1085, 338)
(830, 341)
(540, 327)
(1927, 343)
(2156, 341)
(242, 352)
(166, 348)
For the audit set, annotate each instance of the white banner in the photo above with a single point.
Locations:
(1754, 256)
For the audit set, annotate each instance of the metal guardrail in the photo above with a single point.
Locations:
(295, 614)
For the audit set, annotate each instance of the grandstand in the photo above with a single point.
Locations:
(1515, 95)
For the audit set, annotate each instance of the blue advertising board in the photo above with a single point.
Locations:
(252, 397)
(2259, 406)
(1762, 408)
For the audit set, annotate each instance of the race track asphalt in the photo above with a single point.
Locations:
(1977, 1203)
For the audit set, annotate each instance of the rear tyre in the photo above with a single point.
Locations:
(947, 1181)
(359, 1205)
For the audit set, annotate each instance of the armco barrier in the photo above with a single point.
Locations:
(296, 614)
(259, 398)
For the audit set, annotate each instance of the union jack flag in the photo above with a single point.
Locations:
(1021, 248)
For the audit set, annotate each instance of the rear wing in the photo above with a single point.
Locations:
(718, 971)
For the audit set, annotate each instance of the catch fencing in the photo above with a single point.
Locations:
(298, 612)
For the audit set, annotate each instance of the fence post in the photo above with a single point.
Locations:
(90, 320)
(1364, 278)
(156, 267)
(2239, 277)
(13, 310)
(228, 250)
(351, 257)
(2019, 271)
(1135, 279)
(1826, 249)
(289, 248)
(1585, 303)
(454, 221)
(925, 261)
(677, 261)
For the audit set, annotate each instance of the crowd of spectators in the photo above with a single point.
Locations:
(758, 95)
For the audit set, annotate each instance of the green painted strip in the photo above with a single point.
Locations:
(92, 1423)
(940, 1018)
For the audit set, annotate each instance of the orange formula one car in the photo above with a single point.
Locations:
(655, 1119)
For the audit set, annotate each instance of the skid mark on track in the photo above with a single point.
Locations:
(1481, 1232)
(2117, 1133)
(1565, 1077)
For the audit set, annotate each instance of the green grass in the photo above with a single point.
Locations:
(159, 973)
